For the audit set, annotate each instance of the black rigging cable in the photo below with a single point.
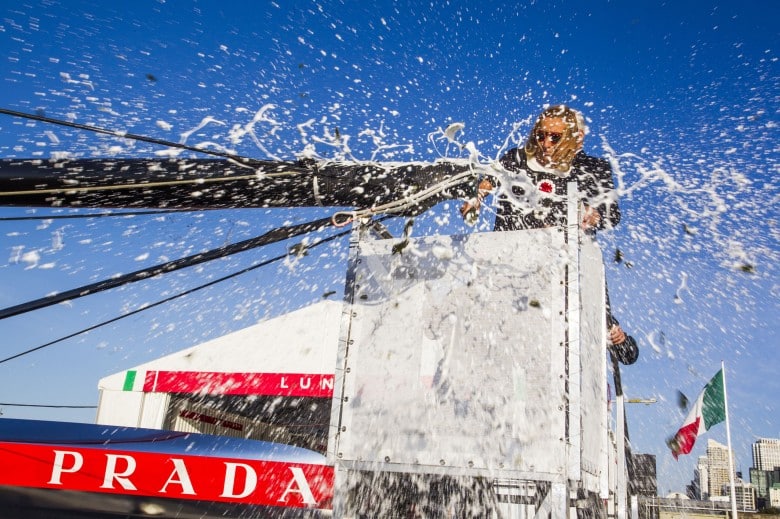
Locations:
(273, 236)
(125, 135)
(51, 406)
(166, 300)
(96, 215)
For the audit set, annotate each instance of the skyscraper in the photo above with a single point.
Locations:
(717, 468)
(702, 475)
(766, 466)
(766, 454)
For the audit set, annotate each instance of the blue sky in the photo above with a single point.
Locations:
(683, 96)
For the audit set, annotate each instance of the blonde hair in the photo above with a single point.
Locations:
(570, 143)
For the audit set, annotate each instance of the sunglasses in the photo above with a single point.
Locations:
(554, 137)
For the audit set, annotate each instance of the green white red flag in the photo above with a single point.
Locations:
(709, 409)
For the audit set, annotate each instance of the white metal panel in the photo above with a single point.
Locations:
(132, 409)
(574, 374)
(154, 409)
(118, 408)
(593, 388)
(456, 354)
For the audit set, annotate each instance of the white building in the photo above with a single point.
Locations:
(774, 495)
(272, 381)
(704, 480)
(745, 492)
(766, 453)
(717, 468)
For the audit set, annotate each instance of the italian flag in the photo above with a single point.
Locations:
(709, 409)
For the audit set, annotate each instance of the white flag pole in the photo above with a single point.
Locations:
(728, 440)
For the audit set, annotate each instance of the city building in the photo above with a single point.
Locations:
(717, 468)
(745, 492)
(774, 496)
(766, 454)
(702, 479)
(765, 472)
(762, 480)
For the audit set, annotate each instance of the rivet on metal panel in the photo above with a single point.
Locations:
(343, 428)
(441, 462)
(354, 314)
(351, 342)
(340, 455)
(471, 464)
(387, 459)
(348, 370)
(346, 398)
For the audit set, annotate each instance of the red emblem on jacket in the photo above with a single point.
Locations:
(546, 186)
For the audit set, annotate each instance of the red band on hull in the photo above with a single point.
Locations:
(164, 475)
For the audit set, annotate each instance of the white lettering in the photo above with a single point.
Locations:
(305, 383)
(58, 468)
(230, 480)
(120, 477)
(326, 383)
(180, 470)
(303, 487)
(283, 384)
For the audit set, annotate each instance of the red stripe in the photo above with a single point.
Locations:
(166, 475)
(216, 383)
(149, 381)
(685, 438)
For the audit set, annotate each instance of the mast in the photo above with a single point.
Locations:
(728, 440)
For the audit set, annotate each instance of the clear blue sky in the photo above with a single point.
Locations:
(683, 95)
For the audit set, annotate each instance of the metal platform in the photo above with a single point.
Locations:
(472, 369)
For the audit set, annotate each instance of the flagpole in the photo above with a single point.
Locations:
(728, 440)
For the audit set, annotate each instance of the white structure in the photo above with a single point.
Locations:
(704, 479)
(774, 495)
(746, 495)
(239, 384)
(476, 358)
(717, 468)
(766, 453)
